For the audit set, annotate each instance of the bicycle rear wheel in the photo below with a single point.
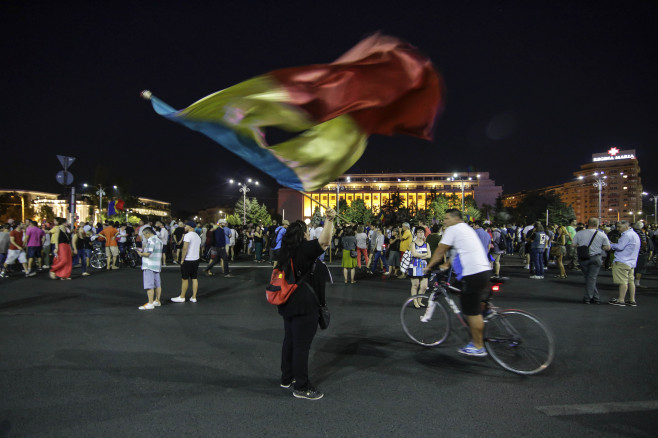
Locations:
(98, 261)
(519, 342)
(436, 327)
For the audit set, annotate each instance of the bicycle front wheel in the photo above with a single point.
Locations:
(98, 261)
(427, 326)
(519, 342)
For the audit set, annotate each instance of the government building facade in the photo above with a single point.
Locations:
(375, 189)
(613, 177)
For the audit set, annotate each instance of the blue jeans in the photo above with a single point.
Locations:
(84, 254)
(537, 260)
(378, 255)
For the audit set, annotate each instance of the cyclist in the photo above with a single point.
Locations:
(475, 270)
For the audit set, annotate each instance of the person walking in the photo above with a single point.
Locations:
(190, 266)
(560, 243)
(597, 242)
(16, 251)
(151, 253)
(219, 249)
(82, 248)
(62, 262)
(405, 242)
(300, 313)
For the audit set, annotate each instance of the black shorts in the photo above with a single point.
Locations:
(189, 269)
(473, 292)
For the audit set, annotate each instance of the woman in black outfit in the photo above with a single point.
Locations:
(301, 312)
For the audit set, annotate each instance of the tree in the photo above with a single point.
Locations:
(258, 213)
(438, 206)
(533, 208)
(46, 213)
(234, 219)
(317, 216)
(358, 212)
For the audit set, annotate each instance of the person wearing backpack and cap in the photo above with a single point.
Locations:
(190, 266)
(298, 255)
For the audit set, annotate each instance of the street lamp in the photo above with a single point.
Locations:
(599, 183)
(100, 192)
(655, 205)
(462, 182)
(244, 188)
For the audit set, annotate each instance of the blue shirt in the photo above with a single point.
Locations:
(627, 249)
(485, 238)
(220, 237)
(279, 236)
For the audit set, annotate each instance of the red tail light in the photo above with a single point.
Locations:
(495, 288)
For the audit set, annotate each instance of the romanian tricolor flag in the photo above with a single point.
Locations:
(381, 86)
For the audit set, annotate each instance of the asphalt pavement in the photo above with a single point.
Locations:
(78, 359)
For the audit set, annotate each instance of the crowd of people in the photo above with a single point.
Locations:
(472, 249)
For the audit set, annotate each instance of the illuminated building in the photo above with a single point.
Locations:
(621, 188)
(85, 211)
(375, 189)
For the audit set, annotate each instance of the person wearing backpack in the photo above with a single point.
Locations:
(593, 243)
(297, 257)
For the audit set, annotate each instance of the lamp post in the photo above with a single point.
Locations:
(462, 182)
(244, 188)
(655, 205)
(100, 192)
(599, 183)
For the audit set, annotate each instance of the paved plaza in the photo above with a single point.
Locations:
(80, 360)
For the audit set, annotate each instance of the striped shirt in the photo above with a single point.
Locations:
(154, 261)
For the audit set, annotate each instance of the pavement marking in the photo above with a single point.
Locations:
(599, 408)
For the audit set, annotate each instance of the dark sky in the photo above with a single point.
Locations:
(533, 87)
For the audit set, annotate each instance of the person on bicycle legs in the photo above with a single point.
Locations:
(476, 272)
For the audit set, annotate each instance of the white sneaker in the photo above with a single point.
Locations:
(193, 300)
(178, 300)
(157, 303)
(85, 274)
(526, 267)
(147, 306)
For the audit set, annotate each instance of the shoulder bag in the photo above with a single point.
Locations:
(583, 251)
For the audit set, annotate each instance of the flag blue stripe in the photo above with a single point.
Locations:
(243, 147)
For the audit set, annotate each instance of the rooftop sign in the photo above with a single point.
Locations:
(614, 154)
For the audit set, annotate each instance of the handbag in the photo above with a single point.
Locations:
(353, 253)
(583, 251)
(324, 316)
(556, 250)
(406, 261)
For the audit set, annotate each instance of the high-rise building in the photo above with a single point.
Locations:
(375, 189)
(610, 182)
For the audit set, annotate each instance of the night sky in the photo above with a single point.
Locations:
(534, 88)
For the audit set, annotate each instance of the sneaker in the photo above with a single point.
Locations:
(228, 276)
(534, 277)
(593, 301)
(526, 267)
(85, 274)
(586, 301)
(287, 384)
(147, 306)
(178, 300)
(193, 300)
(470, 350)
(45, 266)
(157, 303)
(615, 302)
(3, 275)
(630, 303)
(31, 274)
(309, 394)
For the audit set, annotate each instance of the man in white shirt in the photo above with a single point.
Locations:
(476, 272)
(190, 266)
(626, 251)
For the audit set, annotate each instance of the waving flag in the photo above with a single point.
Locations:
(110, 209)
(381, 86)
(119, 205)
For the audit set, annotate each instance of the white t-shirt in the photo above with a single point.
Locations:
(163, 235)
(469, 247)
(317, 233)
(194, 245)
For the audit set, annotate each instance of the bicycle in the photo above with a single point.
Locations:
(98, 259)
(517, 340)
(130, 256)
